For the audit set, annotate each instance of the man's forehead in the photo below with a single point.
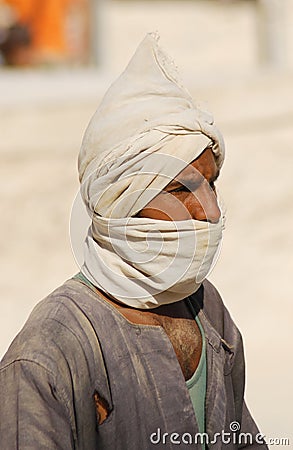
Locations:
(205, 165)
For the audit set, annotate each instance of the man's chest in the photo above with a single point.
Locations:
(183, 333)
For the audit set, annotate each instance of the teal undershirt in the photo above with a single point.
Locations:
(197, 383)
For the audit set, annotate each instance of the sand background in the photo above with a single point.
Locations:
(43, 115)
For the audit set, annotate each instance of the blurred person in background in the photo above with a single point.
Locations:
(137, 350)
(36, 32)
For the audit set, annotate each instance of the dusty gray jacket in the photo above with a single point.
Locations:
(75, 344)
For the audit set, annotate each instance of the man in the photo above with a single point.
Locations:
(137, 350)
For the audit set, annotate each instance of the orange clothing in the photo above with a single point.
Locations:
(46, 21)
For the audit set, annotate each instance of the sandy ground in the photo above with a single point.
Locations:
(43, 116)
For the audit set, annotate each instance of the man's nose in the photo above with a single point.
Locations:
(205, 205)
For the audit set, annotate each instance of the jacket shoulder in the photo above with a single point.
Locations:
(218, 314)
(213, 305)
(53, 329)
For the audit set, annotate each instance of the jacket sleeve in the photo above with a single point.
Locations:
(33, 415)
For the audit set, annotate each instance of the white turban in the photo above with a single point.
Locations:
(145, 131)
(145, 112)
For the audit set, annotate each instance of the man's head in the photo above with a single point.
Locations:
(147, 166)
(144, 133)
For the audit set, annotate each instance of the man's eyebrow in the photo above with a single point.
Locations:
(173, 183)
(190, 177)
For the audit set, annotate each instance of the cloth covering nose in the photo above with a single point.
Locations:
(145, 131)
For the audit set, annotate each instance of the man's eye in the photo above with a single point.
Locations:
(180, 189)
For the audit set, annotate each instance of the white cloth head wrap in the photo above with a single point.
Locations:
(145, 131)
